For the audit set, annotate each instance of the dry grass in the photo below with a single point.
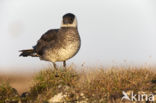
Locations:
(97, 85)
(109, 84)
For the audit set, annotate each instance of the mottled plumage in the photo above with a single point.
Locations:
(57, 44)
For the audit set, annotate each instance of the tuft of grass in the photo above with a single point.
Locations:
(8, 94)
(49, 82)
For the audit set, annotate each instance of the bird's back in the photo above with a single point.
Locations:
(49, 37)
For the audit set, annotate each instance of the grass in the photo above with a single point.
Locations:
(90, 85)
(8, 94)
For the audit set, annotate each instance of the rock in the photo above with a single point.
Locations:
(67, 98)
(82, 101)
(25, 94)
(57, 98)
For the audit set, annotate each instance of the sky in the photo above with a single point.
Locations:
(112, 31)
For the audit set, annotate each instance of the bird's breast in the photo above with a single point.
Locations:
(68, 51)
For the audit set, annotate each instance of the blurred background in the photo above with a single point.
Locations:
(112, 32)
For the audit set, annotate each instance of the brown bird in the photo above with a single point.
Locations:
(57, 45)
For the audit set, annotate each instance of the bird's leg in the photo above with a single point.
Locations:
(64, 64)
(54, 64)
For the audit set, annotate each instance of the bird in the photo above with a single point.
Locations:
(57, 45)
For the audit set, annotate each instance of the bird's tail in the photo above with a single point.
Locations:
(28, 52)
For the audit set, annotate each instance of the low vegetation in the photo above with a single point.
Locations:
(83, 86)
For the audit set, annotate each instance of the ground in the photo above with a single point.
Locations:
(83, 85)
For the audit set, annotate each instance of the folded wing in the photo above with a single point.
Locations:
(49, 38)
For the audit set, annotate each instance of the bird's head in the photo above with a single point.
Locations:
(69, 20)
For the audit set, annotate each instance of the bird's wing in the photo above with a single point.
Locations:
(46, 39)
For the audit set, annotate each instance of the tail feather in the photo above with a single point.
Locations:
(28, 52)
